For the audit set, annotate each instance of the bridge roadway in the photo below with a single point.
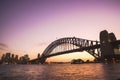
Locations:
(75, 50)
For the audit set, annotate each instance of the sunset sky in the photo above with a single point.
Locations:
(29, 26)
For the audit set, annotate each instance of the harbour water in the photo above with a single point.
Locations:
(91, 71)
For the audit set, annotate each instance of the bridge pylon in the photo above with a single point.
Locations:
(107, 50)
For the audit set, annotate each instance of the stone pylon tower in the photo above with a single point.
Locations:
(107, 50)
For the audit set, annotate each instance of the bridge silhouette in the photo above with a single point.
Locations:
(98, 49)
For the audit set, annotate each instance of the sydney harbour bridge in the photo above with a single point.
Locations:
(107, 47)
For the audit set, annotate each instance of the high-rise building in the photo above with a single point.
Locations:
(38, 55)
(12, 58)
(16, 58)
(3, 58)
(7, 57)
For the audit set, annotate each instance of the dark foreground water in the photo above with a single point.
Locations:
(60, 72)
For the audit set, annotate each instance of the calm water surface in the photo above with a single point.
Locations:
(60, 72)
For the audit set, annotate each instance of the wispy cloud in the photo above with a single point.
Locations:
(3, 46)
(43, 43)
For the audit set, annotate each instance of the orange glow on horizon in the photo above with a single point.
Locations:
(68, 57)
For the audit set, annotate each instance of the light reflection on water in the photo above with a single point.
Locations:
(60, 72)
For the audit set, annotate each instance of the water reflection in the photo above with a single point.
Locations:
(76, 72)
(60, 72)
(111, 71)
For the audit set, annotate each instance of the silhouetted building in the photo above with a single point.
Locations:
(8, 58)
(24, 59)
(16, 59)
(38, 55)
(12, 59)
(3, 58)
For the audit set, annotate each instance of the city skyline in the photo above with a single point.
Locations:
(28, 27)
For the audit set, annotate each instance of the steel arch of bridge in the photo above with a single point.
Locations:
(82, 44)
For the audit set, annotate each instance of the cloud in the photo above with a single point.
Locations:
(3, 46)
(42, 44)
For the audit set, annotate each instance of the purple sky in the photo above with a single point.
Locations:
(29, 26)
